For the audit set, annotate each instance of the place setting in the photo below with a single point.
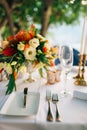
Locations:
(54, 99)
(25, 103)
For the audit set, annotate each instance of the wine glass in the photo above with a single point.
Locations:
(66, 61)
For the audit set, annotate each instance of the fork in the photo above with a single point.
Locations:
(55, 100)
(48, 98)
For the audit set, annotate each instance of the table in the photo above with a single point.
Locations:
(73, 111)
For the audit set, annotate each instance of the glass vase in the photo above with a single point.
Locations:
(30, 70)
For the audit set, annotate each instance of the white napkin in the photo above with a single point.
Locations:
(74, 69)
(80, 94)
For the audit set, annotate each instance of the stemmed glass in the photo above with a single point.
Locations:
(66, 61)
(30, 69)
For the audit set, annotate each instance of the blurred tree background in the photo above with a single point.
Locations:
(19, 14)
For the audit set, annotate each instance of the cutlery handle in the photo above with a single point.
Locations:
(57, 114)
(49, 114)
(25, 100)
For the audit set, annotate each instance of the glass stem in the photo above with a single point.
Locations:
(30, 76)
(66, 74)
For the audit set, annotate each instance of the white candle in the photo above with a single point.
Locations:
(83, 39)
(85, 47)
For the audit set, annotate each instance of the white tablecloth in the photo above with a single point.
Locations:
(73, 111)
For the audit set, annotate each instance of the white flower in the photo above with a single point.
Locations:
(30, 53)
(20, 46)
(8, 68)
(40, 37)
(34, 42)
(1, 65)
(14, 63)
(39, 65)
(22, 69)
(47, 45)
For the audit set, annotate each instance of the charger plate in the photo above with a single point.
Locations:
(14, 104)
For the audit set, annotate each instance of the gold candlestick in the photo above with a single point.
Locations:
(81, 80)
(79, 70)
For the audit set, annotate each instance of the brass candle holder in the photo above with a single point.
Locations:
(79, 70)
(81, 80)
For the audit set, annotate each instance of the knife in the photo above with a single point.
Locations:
(25, 96)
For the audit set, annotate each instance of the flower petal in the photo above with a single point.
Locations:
(30, 53)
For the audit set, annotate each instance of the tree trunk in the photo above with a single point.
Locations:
(47, 11)
(8, 11)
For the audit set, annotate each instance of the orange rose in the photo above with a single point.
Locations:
(26, 46)
(52, 63)
(45, 49)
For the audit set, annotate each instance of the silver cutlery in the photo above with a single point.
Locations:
(55, 101)
(25, 96)
(48, 98)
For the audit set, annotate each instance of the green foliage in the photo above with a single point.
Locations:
(65, 11)
(40, 47)
(42, 58)
(11, 85)
(41, 72)
(2, 12)
(5, 32)
(40, 55)
(29, 11)
(19, 58)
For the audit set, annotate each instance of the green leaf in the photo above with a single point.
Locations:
(40, 47)
(41, 57)
(41, 72)
(11, 84)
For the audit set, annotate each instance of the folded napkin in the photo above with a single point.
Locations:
(80, 94)
(74, 69)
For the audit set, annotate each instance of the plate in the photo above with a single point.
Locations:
(14, 104)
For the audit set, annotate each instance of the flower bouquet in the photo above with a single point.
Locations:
(24, 47)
